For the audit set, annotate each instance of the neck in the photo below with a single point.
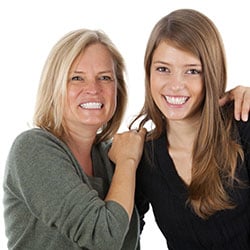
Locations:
(181, 136)
(80, 145)
(181, 133)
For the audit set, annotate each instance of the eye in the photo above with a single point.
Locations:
(105, 78)
(194, 71)
(76, 78)
(162, 69)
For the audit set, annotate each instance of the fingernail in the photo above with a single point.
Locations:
(244, 117)
(237, 117)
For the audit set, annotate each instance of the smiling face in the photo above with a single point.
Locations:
(91, 89)
(176, 82)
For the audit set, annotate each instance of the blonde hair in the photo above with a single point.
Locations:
(54, 78)
(215, 150)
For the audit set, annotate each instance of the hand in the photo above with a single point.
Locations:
(241, 97)
(127, 146)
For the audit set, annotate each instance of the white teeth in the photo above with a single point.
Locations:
(91, 105)
(176, 100)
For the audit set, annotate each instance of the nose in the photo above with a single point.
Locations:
(177, 82)
(92, 87)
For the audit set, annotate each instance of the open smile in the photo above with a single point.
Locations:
(176, 100)
(91, 105)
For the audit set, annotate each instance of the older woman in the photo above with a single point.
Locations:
(58, 189)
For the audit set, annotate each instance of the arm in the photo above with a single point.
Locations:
(42, 175)
(125, 152)
(241, 97)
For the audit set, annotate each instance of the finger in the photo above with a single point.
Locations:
(237, 95)
(142, 131)
(238, 107)
(245, 108)
(135, 131)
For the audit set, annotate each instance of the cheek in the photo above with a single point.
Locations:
(200, 95)
(71, 94)
(112, 102)
(70, 100)
(154, 90)
(201, 91)
(111, 93)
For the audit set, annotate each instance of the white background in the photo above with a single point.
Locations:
(30, 28)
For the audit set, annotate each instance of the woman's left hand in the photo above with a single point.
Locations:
(241, 97)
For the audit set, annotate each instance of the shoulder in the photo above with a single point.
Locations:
(244, 131)
(35, 137)
(27, 136)
(243, 127)
(35, 152)
(151, 152)
(35, 144)
(244, 137)
(156, 147)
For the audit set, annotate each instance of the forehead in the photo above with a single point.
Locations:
(171, 52)
(96, 55)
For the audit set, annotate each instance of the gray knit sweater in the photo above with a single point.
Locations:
(50, 204)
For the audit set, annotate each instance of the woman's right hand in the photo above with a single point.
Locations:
(127, 146)
(125, 152)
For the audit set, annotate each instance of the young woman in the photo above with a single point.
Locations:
(196, 164)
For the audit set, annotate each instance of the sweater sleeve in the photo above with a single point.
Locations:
(41, 173)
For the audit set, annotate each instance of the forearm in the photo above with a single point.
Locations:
(122, 188)
(125, 152)
(61, 200)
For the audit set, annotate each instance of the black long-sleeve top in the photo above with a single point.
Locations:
(159, 184)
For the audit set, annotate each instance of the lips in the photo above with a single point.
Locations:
(91, 105)
(176, 100)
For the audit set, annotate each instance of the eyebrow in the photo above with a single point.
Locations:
(77, 71)
(106, 71)
(193, 65)
(82, 72)
(161, 62)
(186, 65)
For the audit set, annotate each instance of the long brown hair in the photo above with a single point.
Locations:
(215, 151)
